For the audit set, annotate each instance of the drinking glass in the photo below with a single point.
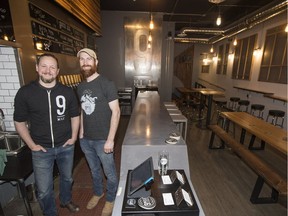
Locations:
(163, 162)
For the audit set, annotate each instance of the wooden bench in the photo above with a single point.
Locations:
(264, 171)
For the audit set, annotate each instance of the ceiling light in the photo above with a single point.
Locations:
(218, 20)
(151, 24)
(212, 49)
(150, 37)
(235, 42)
(216, 1)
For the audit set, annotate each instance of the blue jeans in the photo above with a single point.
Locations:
(43, 163)
(95, 156)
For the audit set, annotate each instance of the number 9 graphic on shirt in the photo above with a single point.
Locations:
(61, 104)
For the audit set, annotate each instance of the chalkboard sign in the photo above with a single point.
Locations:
(55, 35)
(6, 26)
(42, 16)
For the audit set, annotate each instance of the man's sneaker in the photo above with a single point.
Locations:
(108, 208)
(94, 201)
(71, 207)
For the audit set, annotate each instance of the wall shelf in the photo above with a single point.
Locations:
(265, 94)
(274, 97)
(254, 90)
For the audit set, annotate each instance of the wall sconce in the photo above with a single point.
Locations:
(286, 28)
(257, 52)
(231, 56)
(215, 58)
(6, 38)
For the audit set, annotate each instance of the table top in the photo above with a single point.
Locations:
(211, 92)
(272, 135)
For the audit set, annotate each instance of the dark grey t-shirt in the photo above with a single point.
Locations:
(94, 98)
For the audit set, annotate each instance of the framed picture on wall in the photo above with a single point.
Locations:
(205, 68)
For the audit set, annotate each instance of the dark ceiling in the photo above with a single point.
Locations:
(198, 15)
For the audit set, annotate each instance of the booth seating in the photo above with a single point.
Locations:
(275, 115)
(257, 108)
(243, 105)
(233, 103)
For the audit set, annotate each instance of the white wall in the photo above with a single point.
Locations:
(9, 83)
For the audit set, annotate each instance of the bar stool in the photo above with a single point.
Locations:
(259, 108)
(181, 123)
(275, 114)
(219, 107)
(197, 111)
(174, 112)
(233, 102)
(241, 104)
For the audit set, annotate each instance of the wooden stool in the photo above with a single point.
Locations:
(243, 103)
(275, 114)
(259, 108)
(182, 123)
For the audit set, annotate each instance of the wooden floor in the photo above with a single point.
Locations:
(222, 181)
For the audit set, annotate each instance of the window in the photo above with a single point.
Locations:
(274, 60)
(222, 59)
(243, 58)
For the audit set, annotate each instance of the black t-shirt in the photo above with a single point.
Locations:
(94, 98)
(48, 111)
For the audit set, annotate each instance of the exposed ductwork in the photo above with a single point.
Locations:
(240, 26)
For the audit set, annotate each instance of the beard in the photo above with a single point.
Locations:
(47, 80)
(87, 72)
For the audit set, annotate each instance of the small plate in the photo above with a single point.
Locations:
(174, 135)
(171, 141)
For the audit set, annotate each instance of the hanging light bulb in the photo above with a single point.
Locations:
(150, 37)
(151, 24)
(235, 42)
(149, 45)
(212, 49)
(218, 20)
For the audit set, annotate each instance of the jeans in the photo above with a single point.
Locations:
(43, 163)
(95, 156)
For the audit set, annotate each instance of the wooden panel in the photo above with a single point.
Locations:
(88, 12)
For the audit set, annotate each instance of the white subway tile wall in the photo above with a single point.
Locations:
(9, 84)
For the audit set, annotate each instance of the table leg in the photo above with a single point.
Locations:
(209, 110)
(242, 137)
(22, 187)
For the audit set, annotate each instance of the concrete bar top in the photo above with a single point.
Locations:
(150, 124)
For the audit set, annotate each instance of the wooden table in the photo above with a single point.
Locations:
(209, 93)
(270, 134)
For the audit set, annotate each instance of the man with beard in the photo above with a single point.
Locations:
(51, 109)
(99, 122)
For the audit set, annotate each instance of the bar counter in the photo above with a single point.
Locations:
(150, 124)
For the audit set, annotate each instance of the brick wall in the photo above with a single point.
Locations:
(9, 83)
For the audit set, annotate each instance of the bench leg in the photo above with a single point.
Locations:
(251, 147)
(222, 146)
(255, 199)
